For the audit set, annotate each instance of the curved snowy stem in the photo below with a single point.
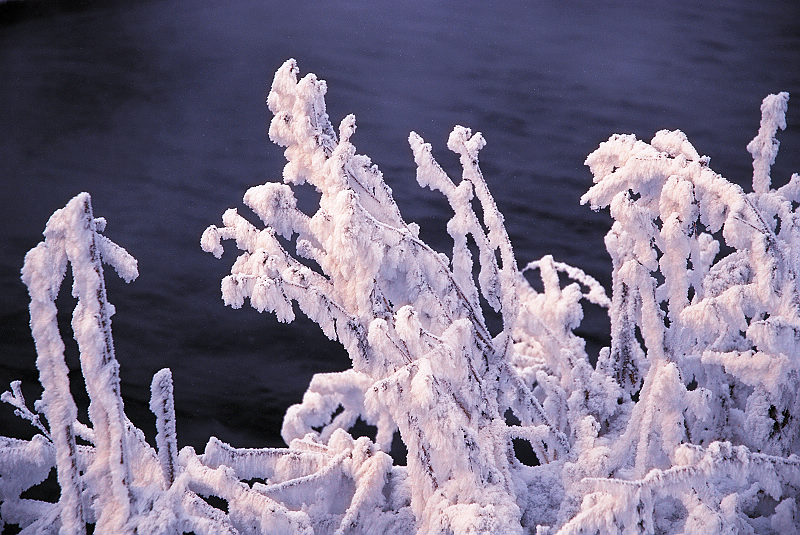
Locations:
(44, 269)
(91, 323)
(596, 293)
(764, 147)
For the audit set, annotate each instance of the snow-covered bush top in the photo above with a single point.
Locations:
(688, 423)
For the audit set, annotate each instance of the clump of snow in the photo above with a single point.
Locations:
(687, 423)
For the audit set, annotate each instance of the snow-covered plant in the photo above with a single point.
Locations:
(705, 332)
(424, 362)
(687, 423)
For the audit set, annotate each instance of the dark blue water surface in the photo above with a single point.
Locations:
(157, 109)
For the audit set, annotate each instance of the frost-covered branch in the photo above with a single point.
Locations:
(409, 317)
(15, 398)
(706, 339)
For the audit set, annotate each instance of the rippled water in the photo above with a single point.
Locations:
(157, 109)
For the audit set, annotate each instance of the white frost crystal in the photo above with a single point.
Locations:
(687, 423)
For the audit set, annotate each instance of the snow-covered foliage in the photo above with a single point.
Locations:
(688, 423)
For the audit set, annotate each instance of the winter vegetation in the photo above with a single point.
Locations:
(688, 423)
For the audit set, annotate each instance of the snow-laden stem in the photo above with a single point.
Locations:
(91, 324)
(162, 404)
(764, 147)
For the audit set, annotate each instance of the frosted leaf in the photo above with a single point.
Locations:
(674, 143)
(232, 291)
(275, 205)
(407, 325)
(791, 190)
(210, 241)
(752, 368)
(775, 335)
(421, 386)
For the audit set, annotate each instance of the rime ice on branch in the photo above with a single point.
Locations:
(72, 236)
(708, 336)
(698, 340)
(688, 422)
(412, 326)
(424, 362)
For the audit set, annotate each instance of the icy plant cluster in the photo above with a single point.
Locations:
(687, 423)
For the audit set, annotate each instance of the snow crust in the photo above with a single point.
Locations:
(688, 422)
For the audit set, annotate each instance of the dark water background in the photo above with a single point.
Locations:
(157, 109)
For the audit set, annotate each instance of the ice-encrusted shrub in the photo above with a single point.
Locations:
(687, 423)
